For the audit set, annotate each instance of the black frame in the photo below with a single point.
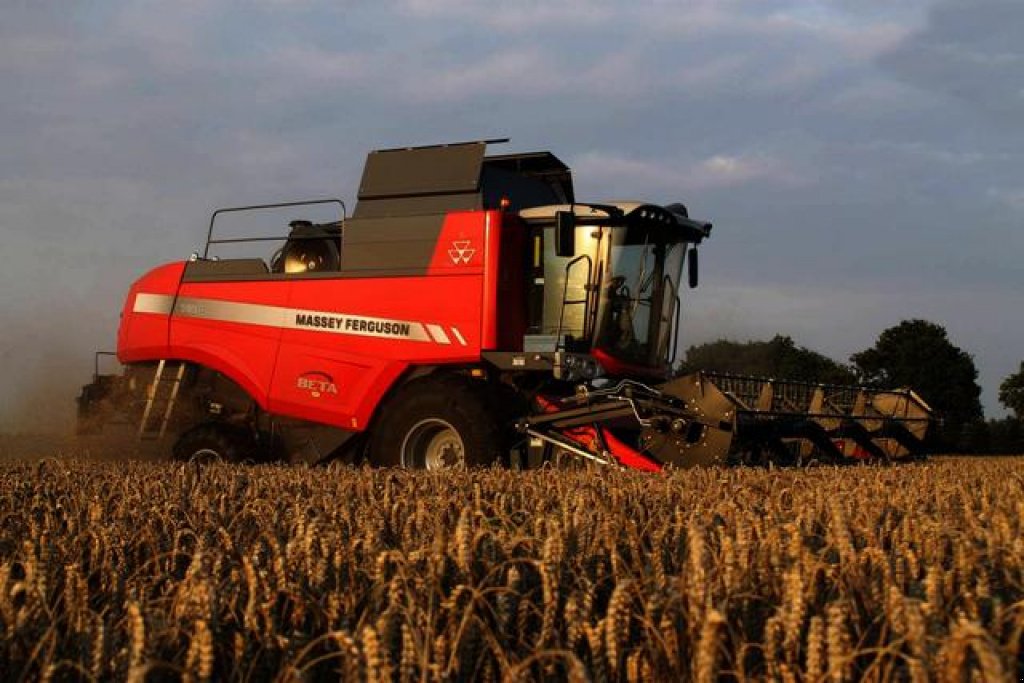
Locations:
(256, 207)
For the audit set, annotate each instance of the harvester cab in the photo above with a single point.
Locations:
(605, 281)
(471, 310)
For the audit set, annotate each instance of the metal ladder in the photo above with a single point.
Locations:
(160, 399)
(585, 301)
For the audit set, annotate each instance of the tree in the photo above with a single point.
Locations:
(1007, 436)
(919, 355)
(1011, 392)
(780, 358)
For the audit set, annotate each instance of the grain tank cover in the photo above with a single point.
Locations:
(457, 177)
(441, 169)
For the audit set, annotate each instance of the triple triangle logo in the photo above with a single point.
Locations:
(461, 252)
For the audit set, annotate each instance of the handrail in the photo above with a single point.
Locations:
(804, 383)
(255, 207)
(96, 362)
(673, 319)
(565, 292)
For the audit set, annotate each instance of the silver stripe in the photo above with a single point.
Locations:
(458, 335)
(438, 333)
(284, 318)
(230, 311)
(153, 303)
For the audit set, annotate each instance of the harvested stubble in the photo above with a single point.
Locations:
(160, 571)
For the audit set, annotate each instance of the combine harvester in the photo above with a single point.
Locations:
(471, 311)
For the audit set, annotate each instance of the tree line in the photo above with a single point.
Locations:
(916, 354)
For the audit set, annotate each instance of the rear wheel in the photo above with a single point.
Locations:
(213, 442)
(437, 424)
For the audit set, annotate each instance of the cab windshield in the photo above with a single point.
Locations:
(637, 309)
(618, 293)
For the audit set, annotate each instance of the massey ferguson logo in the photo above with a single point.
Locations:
(461, 252)
(317, 384)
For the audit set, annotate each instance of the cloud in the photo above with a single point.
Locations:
(720, 170)
(527, 71)
(527, 15)
(932, 153)
(970, 51)
(869, 96)
(858, 34)
(456, 50)
(311, 63)
(1012, 197)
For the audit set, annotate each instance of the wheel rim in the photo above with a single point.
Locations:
(206, 455)
(433, 444)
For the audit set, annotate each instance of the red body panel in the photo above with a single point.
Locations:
(362, 368)
(247, 353)
(142, 337)
(461, 246)
(492, 232)
(325, 349)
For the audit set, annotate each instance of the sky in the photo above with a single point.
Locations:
(862, 160)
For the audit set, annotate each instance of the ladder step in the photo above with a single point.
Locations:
(160, 403)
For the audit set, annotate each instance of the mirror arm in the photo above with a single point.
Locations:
(692, 268)
(565, 233)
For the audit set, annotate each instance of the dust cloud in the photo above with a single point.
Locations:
(45, 361)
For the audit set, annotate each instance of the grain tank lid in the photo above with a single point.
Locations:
(422, 171)
(438, 179)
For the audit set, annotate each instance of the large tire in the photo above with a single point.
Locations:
(437, 423)
(214, 442)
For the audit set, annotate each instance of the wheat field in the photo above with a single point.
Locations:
(160, 571)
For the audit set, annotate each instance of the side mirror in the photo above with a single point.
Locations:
(692, 268)
(565, 233)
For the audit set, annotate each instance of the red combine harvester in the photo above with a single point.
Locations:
(470, 311)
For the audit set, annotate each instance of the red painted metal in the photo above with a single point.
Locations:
(144, 337)
(614, 367)
(586, 436)
(269, 360)
(492, 235)
(364, 368)
(627, 455)
(245, 353)
(471, 298)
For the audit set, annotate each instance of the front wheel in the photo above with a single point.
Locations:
(437, 424)
(213, 442)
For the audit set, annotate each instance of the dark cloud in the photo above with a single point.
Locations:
(971, 50)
